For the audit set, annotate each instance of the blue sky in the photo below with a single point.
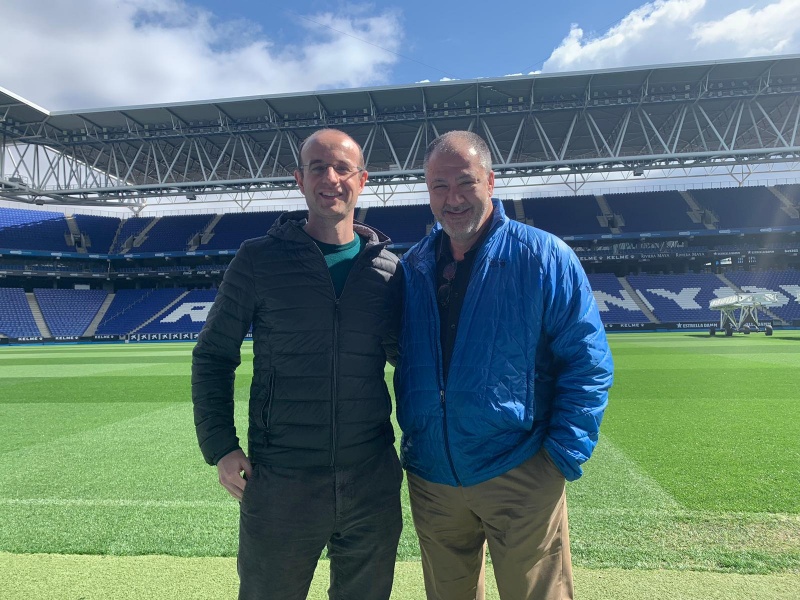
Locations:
(102, 53)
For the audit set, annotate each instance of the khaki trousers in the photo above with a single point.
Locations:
(522, 517)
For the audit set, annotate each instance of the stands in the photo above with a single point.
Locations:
(614, 302)
(173, 233)
(69, 312)
(565, 216)
(680, 298)
(16, 318)
(233, 228)
(98, 232)
(130, 229)
(669, 231)
(131, 308)
(33, 230)
(785, 284)
(188, 315)
(403, 224)
(651, 211)
(744, 207)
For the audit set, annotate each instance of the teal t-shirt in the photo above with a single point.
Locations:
(340, 259)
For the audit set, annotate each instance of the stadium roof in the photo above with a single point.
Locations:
(729, 112)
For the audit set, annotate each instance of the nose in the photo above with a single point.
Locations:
(331, 174)
(453, 198)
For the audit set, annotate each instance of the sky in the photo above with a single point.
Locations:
(108, 53)
(68, 56)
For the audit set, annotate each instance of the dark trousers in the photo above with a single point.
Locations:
(288, 516)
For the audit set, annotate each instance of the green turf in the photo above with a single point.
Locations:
(712, 420)
(697, 468)
(59, 577)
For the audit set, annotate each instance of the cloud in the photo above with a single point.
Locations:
(773, 29)
(668, 31)
(108, 53)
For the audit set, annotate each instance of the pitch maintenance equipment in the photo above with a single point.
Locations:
(747, 306)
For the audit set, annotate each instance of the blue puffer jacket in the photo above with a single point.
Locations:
(531, 364)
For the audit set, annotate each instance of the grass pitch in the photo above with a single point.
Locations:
(698, 467)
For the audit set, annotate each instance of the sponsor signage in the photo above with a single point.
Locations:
(630, 326)
(29, 338)
(669, 326)
(168, 337)
(162, 337)
(66, 338)
(107, 337)
(705, 325)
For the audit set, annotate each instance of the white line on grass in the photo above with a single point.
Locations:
(114, 502)
(636, 475)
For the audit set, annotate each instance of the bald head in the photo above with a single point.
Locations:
(331, 136)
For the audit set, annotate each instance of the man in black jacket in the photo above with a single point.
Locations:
(321, 295)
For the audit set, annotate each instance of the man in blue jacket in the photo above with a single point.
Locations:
(501, 386)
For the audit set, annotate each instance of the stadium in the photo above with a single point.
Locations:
(675, 185)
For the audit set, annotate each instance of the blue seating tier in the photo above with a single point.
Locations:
(69, 312)
(16, 318)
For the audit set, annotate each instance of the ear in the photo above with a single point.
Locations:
(298, 177)
(362, 181)
(490, 183)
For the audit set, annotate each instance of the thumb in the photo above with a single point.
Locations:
(247, 467)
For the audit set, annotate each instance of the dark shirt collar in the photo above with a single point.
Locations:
(445, 254)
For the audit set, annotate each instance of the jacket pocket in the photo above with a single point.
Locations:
(264, 408)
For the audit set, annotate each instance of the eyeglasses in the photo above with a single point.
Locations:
(449, 274)
(318, 169)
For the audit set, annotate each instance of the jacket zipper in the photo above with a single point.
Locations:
(335, 383)
(268, 404)
(446, 440)
(335, 387)
(335, 378)
(335, 366)
(334, 358)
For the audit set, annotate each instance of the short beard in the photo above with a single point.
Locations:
(462, 235)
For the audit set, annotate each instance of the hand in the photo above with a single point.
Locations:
(230, 468)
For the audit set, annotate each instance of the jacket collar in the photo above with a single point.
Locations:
(290, 226)
(425, 249)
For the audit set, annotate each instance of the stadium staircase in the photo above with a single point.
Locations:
(786, 204)
(74, 235)
(636, 298)
(361, 214)
(608, 218)
(116, 235)
(161, 312)
(206, 235)
(90, 330)
(519, 211)
(38, 317)
(139, 239)
(698, 214)
(735, 288)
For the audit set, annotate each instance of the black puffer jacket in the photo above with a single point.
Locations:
(318, 396)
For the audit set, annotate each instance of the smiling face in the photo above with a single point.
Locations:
(460, 190)
(331, 176)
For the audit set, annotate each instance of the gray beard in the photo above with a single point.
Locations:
(467, 232)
